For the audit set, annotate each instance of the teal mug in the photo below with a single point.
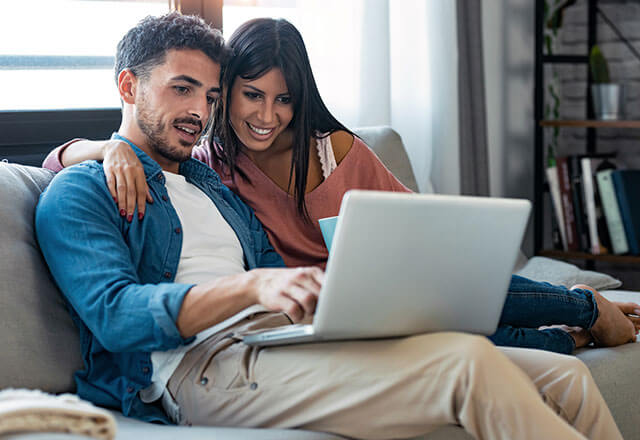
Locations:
(328, 227)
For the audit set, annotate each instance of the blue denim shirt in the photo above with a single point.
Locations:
(118, 276)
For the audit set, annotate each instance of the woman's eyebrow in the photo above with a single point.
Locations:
(260, 91)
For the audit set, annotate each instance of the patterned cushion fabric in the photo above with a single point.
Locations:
(40, 345)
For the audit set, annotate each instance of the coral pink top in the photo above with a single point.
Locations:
(299, 243)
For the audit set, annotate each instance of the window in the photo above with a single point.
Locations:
(236, 12)
(59, 54)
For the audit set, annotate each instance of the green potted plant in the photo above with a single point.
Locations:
(607, 96)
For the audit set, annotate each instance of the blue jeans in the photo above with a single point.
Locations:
(531, 304)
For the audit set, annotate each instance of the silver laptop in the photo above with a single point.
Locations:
(404, 264)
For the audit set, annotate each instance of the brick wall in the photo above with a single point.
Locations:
(623, 67)
(572, 83)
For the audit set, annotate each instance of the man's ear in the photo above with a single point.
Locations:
(127, 86)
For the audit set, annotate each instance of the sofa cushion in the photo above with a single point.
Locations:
(40, 344)
(565, 274)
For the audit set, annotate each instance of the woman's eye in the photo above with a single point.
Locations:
(211, 99)
(252, 95)
(284, 99)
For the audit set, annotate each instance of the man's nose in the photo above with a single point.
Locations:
(200, 109)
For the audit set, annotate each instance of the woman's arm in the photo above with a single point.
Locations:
(124, 173)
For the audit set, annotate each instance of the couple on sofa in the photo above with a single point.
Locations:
(160, 297)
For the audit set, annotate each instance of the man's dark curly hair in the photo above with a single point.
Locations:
(145, 46)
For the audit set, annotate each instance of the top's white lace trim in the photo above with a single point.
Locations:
(326, 155)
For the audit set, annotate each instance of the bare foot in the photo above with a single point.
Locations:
(580, 336)
(631, 311)
(612, 326)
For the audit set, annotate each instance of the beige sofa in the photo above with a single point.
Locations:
(40, 347)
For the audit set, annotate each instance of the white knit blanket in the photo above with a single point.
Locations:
(24, 410)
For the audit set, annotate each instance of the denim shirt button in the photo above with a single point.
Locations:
(167, 274)
(164, 197)
(145, 370)
(130, 389)
(178, 230)
(159, 177)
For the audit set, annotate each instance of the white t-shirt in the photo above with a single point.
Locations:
(210, 249)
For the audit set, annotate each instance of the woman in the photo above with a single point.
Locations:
(278, 147)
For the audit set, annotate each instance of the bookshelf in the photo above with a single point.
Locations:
(589, 123)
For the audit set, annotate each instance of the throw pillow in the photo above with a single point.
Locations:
(565, 274)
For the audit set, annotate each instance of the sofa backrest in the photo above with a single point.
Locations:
(39, 345)
(388, 146)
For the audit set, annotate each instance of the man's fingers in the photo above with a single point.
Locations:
(291, 307)
(310, 278)
(305, 299)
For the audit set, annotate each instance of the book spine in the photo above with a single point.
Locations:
(625, 211)
(564, 182)
(612, 213)
(578, 204)
(590, 202)
(554, 188)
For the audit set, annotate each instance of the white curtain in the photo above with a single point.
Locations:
(391, 62)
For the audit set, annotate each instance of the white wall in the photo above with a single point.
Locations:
(508, 37)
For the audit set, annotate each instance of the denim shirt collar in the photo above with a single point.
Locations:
(192, 169)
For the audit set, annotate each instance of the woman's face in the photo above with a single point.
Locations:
(260, 109)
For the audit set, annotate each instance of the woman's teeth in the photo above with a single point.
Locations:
(260, 130)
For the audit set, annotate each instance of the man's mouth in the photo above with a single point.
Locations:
(188, 131)
(260, 131)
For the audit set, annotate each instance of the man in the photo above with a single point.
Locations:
(160, 303)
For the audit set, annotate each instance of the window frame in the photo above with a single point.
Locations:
(27, 136)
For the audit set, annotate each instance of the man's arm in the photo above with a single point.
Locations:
(292, 291)
(81, 238)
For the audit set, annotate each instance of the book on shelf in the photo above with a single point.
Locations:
(554, 189)
(627, 187)
(566, 200)
(611, 210)
(600, 242)
(579, 205)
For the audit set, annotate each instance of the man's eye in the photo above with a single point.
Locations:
(181, 90)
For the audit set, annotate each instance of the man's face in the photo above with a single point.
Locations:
(173, 105)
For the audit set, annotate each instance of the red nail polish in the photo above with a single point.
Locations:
(140, 215)
(123, 212)
(129, 218)
(115, 200)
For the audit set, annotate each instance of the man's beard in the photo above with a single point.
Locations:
(155, 130)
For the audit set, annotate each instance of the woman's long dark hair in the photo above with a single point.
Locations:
(258, 46)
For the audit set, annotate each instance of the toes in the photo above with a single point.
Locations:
(628, 308)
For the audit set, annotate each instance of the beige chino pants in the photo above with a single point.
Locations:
(393, 388)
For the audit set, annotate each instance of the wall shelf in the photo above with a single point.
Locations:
(562, 255)
(593, 123)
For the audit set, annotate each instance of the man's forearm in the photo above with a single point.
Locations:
(208, 304)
